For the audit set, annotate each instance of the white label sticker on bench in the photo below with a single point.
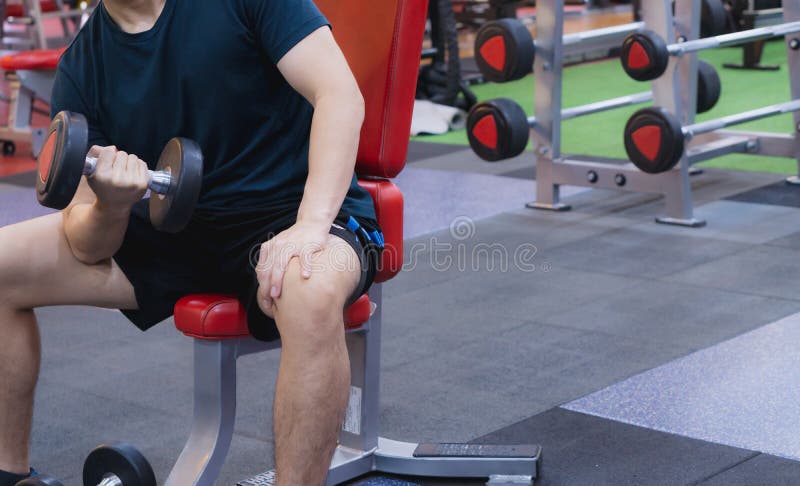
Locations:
(352, 419)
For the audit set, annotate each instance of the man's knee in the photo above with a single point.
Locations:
(20, 275)
(311, 308)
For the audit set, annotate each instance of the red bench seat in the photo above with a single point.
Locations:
(38, 60)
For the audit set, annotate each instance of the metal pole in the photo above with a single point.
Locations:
(596, 107)
(611, 35)
(734, 38)
(709, 126)
(160, 181)
(791, 12)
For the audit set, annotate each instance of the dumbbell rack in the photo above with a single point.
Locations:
(676, 91)
(667, 93)
(554, 169)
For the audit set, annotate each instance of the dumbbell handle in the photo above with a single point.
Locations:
(735, 38)
(719, 123)
(160, 181)
(111, 480)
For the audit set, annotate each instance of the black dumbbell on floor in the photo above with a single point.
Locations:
(111, 464)
(175, 183)
(117, 464)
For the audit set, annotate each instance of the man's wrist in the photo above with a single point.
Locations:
(319, 218)
(114, 213)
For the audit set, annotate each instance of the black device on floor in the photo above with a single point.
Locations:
(477, 450)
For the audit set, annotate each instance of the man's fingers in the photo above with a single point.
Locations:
(134, 173)
(284, 254)
(278, 271)
(264, 273)
(144, 176)
(105, 159)
(97, 150)
(306, 259)
(264, 300)
(264, 287)
(263, 255)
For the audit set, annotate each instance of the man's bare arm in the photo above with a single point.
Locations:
(317, 69)
(95, 226)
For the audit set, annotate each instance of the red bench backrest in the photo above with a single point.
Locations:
(382, 41)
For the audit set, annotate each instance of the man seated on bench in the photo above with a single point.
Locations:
(265, 91)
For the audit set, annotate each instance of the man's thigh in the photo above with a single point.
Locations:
(37, 268)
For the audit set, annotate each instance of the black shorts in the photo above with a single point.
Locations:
(217, 253)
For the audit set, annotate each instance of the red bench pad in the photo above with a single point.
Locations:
(18, 10)
(215, 317)
(388, 201)
(382, 41)
(38, 60)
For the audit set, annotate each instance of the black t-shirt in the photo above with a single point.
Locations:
(206, 71)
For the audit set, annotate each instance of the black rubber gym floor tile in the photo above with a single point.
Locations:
(418, 151)
(528, 173)
(674, 313)
(581, 449)
(762, 469)
(790, 241)
(640, 252)
(763, 270)
(778, 194)
(23, 179)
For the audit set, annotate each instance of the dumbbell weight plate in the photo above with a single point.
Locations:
(654, 140)
(61, 160)
(644, 55)
(498, 129)
(183, 160)
(504, 50)
(40, 480)
(120, 459)
(713, 18)
(709, 86)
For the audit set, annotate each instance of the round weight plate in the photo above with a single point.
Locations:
(709, 87)
(183, 159)
(40, 480)
(504, 50)
(62, 159)
(498, 129)
(644, 55)
(654, 140)
(713, 19)
(120, 459)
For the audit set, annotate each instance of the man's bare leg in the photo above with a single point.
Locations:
(37, 269)
(314, 375)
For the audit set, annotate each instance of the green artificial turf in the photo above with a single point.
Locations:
(601, 133)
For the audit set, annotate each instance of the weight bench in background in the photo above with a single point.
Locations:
(30, 75)
(23, 23)
(382, 42)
